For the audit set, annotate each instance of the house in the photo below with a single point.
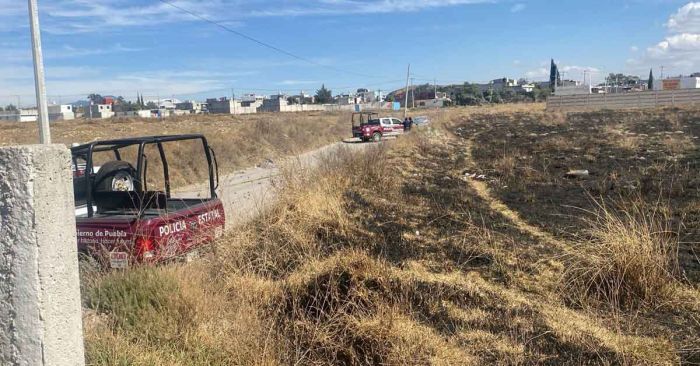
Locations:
(679, 82)
(503, 83)
(433, 103)
(99, 111)
(22, 115)
(346, 99)
(228, 106)
(61, 112)
(144, 113)
(275, 103)
(527, 88)
(192, 107)
(366, 96)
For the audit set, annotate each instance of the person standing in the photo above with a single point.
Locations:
(410, 123)
(406, 126)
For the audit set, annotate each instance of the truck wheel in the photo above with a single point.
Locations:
(377, 137)
(115, 176)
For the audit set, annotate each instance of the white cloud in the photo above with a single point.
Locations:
(88, 16)
(686, 19)
(517, 8)
(679, 51)
(634, 48)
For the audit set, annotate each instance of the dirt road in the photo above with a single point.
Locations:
(246, 192)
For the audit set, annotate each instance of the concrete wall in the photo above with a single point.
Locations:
(144, 113)
(645, 99)
(40, 311)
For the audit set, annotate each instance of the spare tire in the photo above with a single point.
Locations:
(116, 176)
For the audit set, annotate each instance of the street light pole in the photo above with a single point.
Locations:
(39, 81)
(405, 105)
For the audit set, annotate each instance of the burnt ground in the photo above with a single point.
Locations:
(632, 156)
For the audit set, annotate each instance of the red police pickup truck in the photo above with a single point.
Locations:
(121, 221)
(367, 126)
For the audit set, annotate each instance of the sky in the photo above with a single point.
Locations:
(125, 47)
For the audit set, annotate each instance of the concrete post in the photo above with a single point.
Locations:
(40, 308)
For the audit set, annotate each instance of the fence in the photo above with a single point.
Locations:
(646, 99)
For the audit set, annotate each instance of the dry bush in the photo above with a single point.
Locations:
(629, 260)
(175, 316)
(554, 118)
(310, 218)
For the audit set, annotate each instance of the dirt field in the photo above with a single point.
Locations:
(463, 243)
(239, 141)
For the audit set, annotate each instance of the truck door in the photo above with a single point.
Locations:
(397, 125)
(387, 126)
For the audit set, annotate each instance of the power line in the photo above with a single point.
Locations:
(261, 43)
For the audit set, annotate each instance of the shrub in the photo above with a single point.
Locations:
(629, 260)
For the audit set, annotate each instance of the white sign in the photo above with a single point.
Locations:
(119, 260)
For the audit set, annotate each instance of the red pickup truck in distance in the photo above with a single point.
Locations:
(367, 126)
(121, 221)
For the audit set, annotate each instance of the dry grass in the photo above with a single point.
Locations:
(628, 260)
(429, 271)
(239, 141)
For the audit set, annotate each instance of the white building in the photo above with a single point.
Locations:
(679, 82)
(433, 103)
(144, 113)
(252, 98)
(61, 112)
(192, 107)
(23, 115)
(99, 111)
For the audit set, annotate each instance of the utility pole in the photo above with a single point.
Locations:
(662, 71)
(405, 105)
(413, 95)
(39, 82)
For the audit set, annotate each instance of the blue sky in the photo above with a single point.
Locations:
(123, 46)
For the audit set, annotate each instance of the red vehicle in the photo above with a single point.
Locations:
(367, 126)
(121, 221)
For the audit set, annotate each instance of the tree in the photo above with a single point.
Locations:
(650, 83)
(323, 95)
(622, 79)
(151, 105)
(10, 108)
(554, 78)
(96, 99)
(2, 109)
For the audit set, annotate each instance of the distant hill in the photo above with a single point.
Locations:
(80, 103)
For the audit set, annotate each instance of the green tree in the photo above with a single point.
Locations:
(10, 108)
(323, 95)
(650, 82)
(554, 78)
(151, 105)
(96, 99)
(622, 79)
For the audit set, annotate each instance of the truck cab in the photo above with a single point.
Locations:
(368, 126)
(125, 215)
